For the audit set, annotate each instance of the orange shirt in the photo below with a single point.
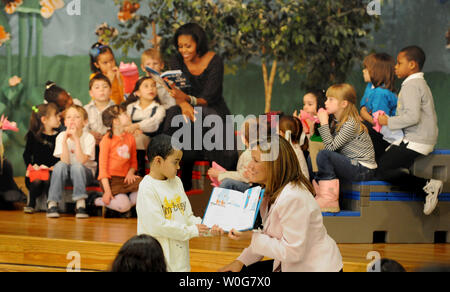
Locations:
(117, 155)
(117, 91)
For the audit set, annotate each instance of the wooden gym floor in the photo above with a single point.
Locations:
(35, 243)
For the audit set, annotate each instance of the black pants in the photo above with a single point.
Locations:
(36, 188)
(261, 266)
(394, 165)
(379, 144)
(226, 158)
(9, 191)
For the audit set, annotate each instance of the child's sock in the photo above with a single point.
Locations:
(81, 204)
(52, 204)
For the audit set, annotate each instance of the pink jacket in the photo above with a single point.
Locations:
(294, 235)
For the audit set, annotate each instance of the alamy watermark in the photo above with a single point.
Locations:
(75, 261)
(213, 133)
(375, 264)
(73, 8)
(374, 7)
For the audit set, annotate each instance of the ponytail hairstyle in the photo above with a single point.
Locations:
(109, 115)
(133, 97)
(36, 127)
(292, 124)
(346, 92)
(96, 50)
(52, 92)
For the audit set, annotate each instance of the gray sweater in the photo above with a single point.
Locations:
(416, 115)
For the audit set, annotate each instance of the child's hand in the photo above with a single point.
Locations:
(132, 128)
(249, 174)
(107, 197)
(217, 231)
(234, 234)
(116, 72)
(383, 120)
(323, 116)
(130, 178)
(70, 133)
(214, 173)
(188, 111)
(179, 95)
(203, 230)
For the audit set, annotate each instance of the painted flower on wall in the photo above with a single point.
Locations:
(4, 36)
(128, 10)
(105, 33)
(49, 7)
(12, 5)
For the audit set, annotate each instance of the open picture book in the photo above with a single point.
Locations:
(232, 209)
(175, 77)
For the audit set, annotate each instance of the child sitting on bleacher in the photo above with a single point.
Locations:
(416, 116)
(118, 162)
(237, 180)
(39, 148)
(76, 150)
(313, 101)
(100, 92)
(348, 153)
(291, 129)
(146, 115)
(152, 58)
(379, 95)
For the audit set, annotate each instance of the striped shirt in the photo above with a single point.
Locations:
(347, 141)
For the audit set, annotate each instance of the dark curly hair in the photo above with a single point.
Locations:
(142, 253)
(197, 33)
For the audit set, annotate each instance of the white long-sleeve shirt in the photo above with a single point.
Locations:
(150, 118)
(165, 213)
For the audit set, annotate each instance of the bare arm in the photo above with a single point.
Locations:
(366, 116)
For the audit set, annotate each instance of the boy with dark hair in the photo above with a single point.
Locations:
(163, 208)
(416, 116)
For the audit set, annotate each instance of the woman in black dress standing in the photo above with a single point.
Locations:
(204, 72)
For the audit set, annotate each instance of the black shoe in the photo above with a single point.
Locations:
(82, 213)
(111, 213)
(52, 212)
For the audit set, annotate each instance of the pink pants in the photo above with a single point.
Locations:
(121, 202)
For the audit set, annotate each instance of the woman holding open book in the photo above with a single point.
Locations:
(204, 72)
(293, 235)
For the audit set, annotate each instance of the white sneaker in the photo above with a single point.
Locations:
(433, 188)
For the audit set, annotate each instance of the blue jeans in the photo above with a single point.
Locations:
(80, 176)
(333, 165)
(236, 185)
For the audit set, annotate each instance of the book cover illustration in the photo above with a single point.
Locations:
(232, 209)
(175, 77)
